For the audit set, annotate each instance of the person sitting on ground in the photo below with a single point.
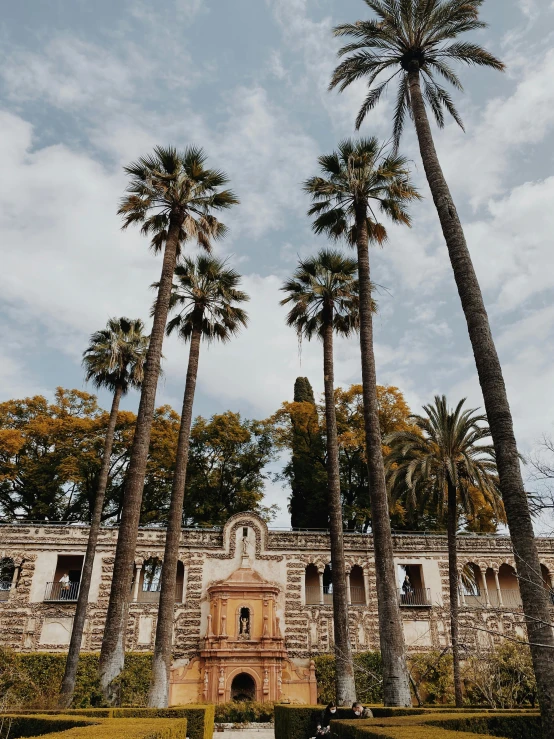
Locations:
(324, 723)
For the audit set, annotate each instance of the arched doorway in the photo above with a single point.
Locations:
(243, 688)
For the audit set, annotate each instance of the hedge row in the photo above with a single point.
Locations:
(200, 718)
(511, 725)
(71, 728)
(33, 680)
(299, 722)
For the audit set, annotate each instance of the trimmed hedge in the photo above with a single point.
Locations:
(33, 680)
(70, 728)
(13, 727)
(511, 727)
(200, 718)
(299, 722)
(244, 712)
(477, 726)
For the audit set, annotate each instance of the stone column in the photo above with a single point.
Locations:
(498, 591)
(15, 576)
(138, 569)
(485, 588)
(348, 591)
(366, 586)
(461, 597)
(321, 598)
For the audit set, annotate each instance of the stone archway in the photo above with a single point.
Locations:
(243, 687)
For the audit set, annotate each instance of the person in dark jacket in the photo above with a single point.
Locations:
(324, 723)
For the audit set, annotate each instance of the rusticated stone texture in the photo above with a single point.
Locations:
(28, 622)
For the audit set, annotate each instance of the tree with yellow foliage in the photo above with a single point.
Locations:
(394, 415)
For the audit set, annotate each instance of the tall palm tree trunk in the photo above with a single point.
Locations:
(158, 695)
(344, 666)
(396, 686)
(533, 594)
(70, 674)
(452, 528)
(112, 654)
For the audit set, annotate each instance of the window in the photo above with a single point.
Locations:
(471, 580)
(151, 582)
(7, 569)
(412, 589)
(357, 587)
(67, 578)
(311, 583)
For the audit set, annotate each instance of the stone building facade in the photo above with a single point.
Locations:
(254, 606)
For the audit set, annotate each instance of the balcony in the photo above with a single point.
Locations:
(62, 592)
(415, 598)
(313, 596)
(504, 599)
(5, 587)
(152, 593)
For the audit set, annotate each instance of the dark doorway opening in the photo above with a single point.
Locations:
(243, 688)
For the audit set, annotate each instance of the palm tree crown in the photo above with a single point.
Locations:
(359, 175)
(447, 451)
(115, 356)
(205, 294)
(323, 290)
(171, 183)
(411, 35)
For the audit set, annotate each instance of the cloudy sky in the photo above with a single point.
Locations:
(87, 87)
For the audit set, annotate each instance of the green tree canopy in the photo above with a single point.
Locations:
(51, 453)
(225, 473)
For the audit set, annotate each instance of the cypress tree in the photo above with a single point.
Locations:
(306, 470)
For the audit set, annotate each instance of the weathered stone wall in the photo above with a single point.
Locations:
(28, 623)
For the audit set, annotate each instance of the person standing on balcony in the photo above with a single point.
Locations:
(64, 586)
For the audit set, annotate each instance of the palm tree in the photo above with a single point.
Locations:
(413, 41)
(325, 299)
(354, 182)
(206, 294)
(113, 360)
(439, 468)
(174, 196)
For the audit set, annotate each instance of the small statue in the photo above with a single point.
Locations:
(245, 547)
(244, 625)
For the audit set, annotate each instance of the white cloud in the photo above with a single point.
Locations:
(512, 247)
(70, 73)
(480, 163)
(315, 41)
(63, 252)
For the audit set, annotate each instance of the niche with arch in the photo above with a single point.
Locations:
(244, 623)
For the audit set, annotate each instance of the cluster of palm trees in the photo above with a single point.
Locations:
(175, 199)
(412, 42)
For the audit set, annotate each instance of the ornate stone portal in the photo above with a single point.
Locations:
(243, 654)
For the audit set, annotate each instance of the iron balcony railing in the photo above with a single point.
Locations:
(61, 591)
(510, 598)
(313, 595)
(5, 587)
(415, 597)
(357, 595)
(152, 595)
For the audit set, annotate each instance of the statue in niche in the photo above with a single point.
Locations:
(244, 623)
